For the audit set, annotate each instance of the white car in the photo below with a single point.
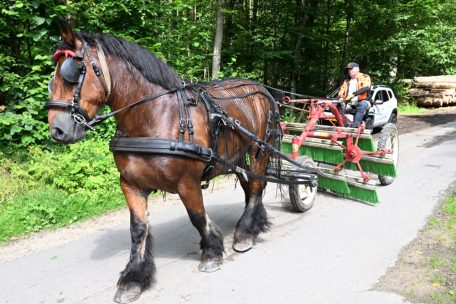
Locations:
(383, 106)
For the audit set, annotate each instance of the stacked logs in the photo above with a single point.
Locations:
(433, 91)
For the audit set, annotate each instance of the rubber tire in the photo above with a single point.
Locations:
(297, 202)
(393, 118)
(369, 123)
(389, 137)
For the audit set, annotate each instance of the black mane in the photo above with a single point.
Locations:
(135, 56)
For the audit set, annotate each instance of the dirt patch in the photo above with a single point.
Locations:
(426, 269)
(429, 118)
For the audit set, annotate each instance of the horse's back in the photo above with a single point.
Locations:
(244, 100)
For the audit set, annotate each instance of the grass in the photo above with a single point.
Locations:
(426, 269)
(50, 187)
(442, 262)
(409, 109)
(46, 208)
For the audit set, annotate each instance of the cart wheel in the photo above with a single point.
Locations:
(389, 139)
(302, 197)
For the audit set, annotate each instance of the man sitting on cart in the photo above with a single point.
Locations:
(354, 91)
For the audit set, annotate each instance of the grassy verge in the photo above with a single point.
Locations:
(49, 187)
(426, 269)
(409, 109)
(441, 263)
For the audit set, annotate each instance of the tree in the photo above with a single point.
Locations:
(217, 54)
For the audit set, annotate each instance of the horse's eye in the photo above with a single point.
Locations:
(70, 70)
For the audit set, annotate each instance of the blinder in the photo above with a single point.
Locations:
(50, 85)
(71, 69)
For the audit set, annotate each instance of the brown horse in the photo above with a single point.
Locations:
(170, 136)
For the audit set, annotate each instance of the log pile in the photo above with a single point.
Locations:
(434, 91)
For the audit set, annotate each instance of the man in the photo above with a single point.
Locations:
(354, 90)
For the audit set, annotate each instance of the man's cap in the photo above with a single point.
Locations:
(352, 65)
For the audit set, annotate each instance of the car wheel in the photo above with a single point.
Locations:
(389, 139)
(369, 123)
(393, 118)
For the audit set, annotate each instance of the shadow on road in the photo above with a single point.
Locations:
(177, 238)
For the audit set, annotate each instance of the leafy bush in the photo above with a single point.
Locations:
(47, 207)
(84, 166)
(52, 186)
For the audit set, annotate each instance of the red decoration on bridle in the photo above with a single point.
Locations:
(66, 53)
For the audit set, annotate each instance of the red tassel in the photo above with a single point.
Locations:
(66, 53)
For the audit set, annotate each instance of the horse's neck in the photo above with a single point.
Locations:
(144, 119)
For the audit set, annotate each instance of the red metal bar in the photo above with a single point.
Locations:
(352, 152)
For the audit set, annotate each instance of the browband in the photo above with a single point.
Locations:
(66, 53)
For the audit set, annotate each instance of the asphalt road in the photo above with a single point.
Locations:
(335, 253)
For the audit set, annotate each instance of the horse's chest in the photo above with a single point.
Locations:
(149, 172)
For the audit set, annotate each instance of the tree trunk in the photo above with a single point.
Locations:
(218, 41)
(348, 17)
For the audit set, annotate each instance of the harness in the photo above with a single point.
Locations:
(73, 70)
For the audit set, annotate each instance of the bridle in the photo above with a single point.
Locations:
(73, 70)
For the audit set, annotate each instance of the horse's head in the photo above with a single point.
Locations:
(80, 86)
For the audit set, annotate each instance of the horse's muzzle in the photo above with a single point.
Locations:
(65, 130)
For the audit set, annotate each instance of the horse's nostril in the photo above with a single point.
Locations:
(57, 133)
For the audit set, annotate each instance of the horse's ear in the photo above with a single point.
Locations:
(67, 32)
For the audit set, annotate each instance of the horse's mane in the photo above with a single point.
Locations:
(135, 56)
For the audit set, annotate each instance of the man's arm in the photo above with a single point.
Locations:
(362, 90)
(343, 90)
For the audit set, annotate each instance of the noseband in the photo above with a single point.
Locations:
(73, 70)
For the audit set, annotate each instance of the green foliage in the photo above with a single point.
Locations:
(47, 207)
(295, 45)
(409, 109)
(55, 186)
(84, 166)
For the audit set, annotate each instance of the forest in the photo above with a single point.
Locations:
(296, 45)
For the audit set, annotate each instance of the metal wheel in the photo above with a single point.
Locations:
(302, 197)
(389, 139)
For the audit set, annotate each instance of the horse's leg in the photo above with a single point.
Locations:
(211, 236)
(139, 274)
(245, 186)
(254, 219)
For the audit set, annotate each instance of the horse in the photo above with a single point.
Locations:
(170, 136)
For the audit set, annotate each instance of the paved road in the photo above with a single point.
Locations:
(335, 253)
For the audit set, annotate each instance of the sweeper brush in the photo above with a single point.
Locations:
(347, 158)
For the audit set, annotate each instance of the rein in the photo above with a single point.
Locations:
(99, 118)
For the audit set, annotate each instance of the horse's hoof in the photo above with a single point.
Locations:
(210, 265)
(243, 246)
(127, 294)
